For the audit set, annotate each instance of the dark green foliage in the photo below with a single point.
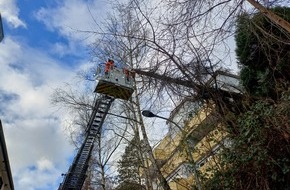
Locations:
(129, 165)
(259, 154)
(263, 52)
(130, 186)
(259, 157)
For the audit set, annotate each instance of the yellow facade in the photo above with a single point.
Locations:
(177, 155)
(169, 144)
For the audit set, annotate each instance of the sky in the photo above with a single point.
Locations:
(42, 50)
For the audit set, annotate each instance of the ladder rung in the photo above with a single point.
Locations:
(79, 166)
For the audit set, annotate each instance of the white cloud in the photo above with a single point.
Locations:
(30, 74)
(35, 178)
(37, 145)
(35, 135)
(62, 49)
(10, 11)
(70, 17)
(45, 164)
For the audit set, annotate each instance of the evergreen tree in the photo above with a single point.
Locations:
(129, 165)
(258, 156)
(263, 52)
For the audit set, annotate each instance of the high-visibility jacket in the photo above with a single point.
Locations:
(109, 66)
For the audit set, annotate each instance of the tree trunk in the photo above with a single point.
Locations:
(273, 17)
(149, 151)
(205, 91)
(102, 167)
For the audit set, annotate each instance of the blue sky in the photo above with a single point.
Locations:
(42, 50)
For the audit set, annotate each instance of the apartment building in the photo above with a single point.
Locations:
(188, 154)
(6, 181)
(197, 145)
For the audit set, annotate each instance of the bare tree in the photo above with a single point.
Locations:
(79, 105)
(101, 162)
(166, 50)
(131, 51)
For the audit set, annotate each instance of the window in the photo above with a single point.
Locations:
(184, 171)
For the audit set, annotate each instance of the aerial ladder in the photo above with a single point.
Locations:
(113, 83)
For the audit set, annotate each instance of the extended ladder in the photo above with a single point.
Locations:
(76, 175)
(117, 83)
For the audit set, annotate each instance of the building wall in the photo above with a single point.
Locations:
(174, 151)
(171, 141)
(6, 181)
(199, 141)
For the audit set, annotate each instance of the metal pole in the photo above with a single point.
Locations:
(189, 150)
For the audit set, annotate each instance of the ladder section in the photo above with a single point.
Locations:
(76, 175)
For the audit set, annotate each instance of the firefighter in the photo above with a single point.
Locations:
(129, 73)
(109, 66)
(126, 72)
